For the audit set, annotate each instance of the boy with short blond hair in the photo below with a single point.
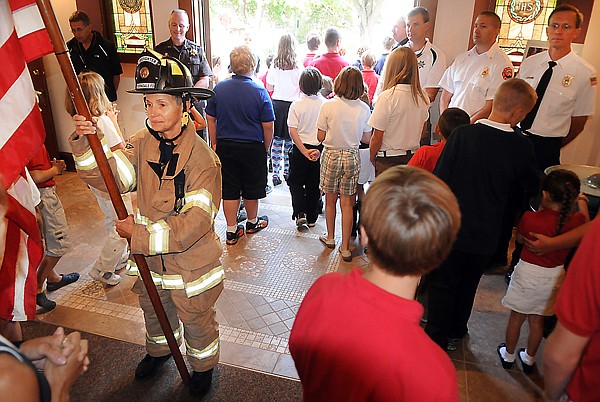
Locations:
(481, 163)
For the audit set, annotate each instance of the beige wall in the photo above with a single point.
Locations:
(452, 26)
(161, 9)
(132, 115)
(586, 148)
(54, 77)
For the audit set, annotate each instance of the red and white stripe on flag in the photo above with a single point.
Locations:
(22, 38)
(21, 127)
(20, 253)
(30, 28)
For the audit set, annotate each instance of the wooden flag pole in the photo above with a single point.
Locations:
(82, 108)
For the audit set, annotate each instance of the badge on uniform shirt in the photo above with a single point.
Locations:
(567, 80)
(593, 81)
(507, 73)
(485, 72)
(421, 63)
(193, 52)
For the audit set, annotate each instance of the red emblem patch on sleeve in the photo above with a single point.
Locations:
(593, 81)
(507, 73)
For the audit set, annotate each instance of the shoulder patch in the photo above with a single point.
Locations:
(593, 81)
(507, 73)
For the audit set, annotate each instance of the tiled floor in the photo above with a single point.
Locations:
(267, 275)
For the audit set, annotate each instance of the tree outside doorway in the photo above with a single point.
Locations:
(260, 23)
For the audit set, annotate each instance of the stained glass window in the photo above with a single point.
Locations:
(522, 21)
(133, 25)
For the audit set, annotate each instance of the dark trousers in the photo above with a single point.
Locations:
(452, 289)
(384, 163)
(515, 206)
(426, 140)
(304, 183)
(546, 149)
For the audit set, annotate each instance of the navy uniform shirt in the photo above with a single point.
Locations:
(190, 54)
(101, 57)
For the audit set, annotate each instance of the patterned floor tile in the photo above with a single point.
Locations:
(267, 276)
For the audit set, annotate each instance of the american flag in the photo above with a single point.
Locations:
(22, 38)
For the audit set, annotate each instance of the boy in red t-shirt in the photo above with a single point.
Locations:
(572, 352)
(426, 157)
(357, 337)
(370, 77)
(42, 171)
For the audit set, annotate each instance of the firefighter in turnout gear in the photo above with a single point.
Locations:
(178, 182)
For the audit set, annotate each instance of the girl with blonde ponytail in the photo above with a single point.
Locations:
(400, 113)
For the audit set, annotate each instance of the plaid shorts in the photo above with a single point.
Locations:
(340, 169)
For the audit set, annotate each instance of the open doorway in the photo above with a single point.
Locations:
(260, 24)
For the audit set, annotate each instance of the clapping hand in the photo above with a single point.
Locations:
(62, 377)
(54, 349)
(60, 165)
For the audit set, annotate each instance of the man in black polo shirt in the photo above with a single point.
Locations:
(188, 52)
(89, 51)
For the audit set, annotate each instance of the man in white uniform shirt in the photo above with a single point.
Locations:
(570, 97)
(399, 33)
(470, 83)
(432, 61)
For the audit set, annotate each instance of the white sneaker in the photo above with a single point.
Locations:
(110, 278)
(301, 220)
(123, 261)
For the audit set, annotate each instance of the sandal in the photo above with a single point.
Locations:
(346, 255)
(330, 243)
(65, 279)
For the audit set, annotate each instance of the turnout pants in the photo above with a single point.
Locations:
(200, 327)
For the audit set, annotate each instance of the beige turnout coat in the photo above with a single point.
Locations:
(181, 248)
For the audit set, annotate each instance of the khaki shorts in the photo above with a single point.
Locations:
(340, 169)
(55, 223)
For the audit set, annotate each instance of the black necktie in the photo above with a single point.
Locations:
(540, 90)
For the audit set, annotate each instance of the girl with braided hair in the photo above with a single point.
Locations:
(537, 278)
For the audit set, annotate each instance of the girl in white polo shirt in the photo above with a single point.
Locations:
(342, 124)
(400, 112)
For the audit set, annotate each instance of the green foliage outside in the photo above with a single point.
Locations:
(361, 22)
